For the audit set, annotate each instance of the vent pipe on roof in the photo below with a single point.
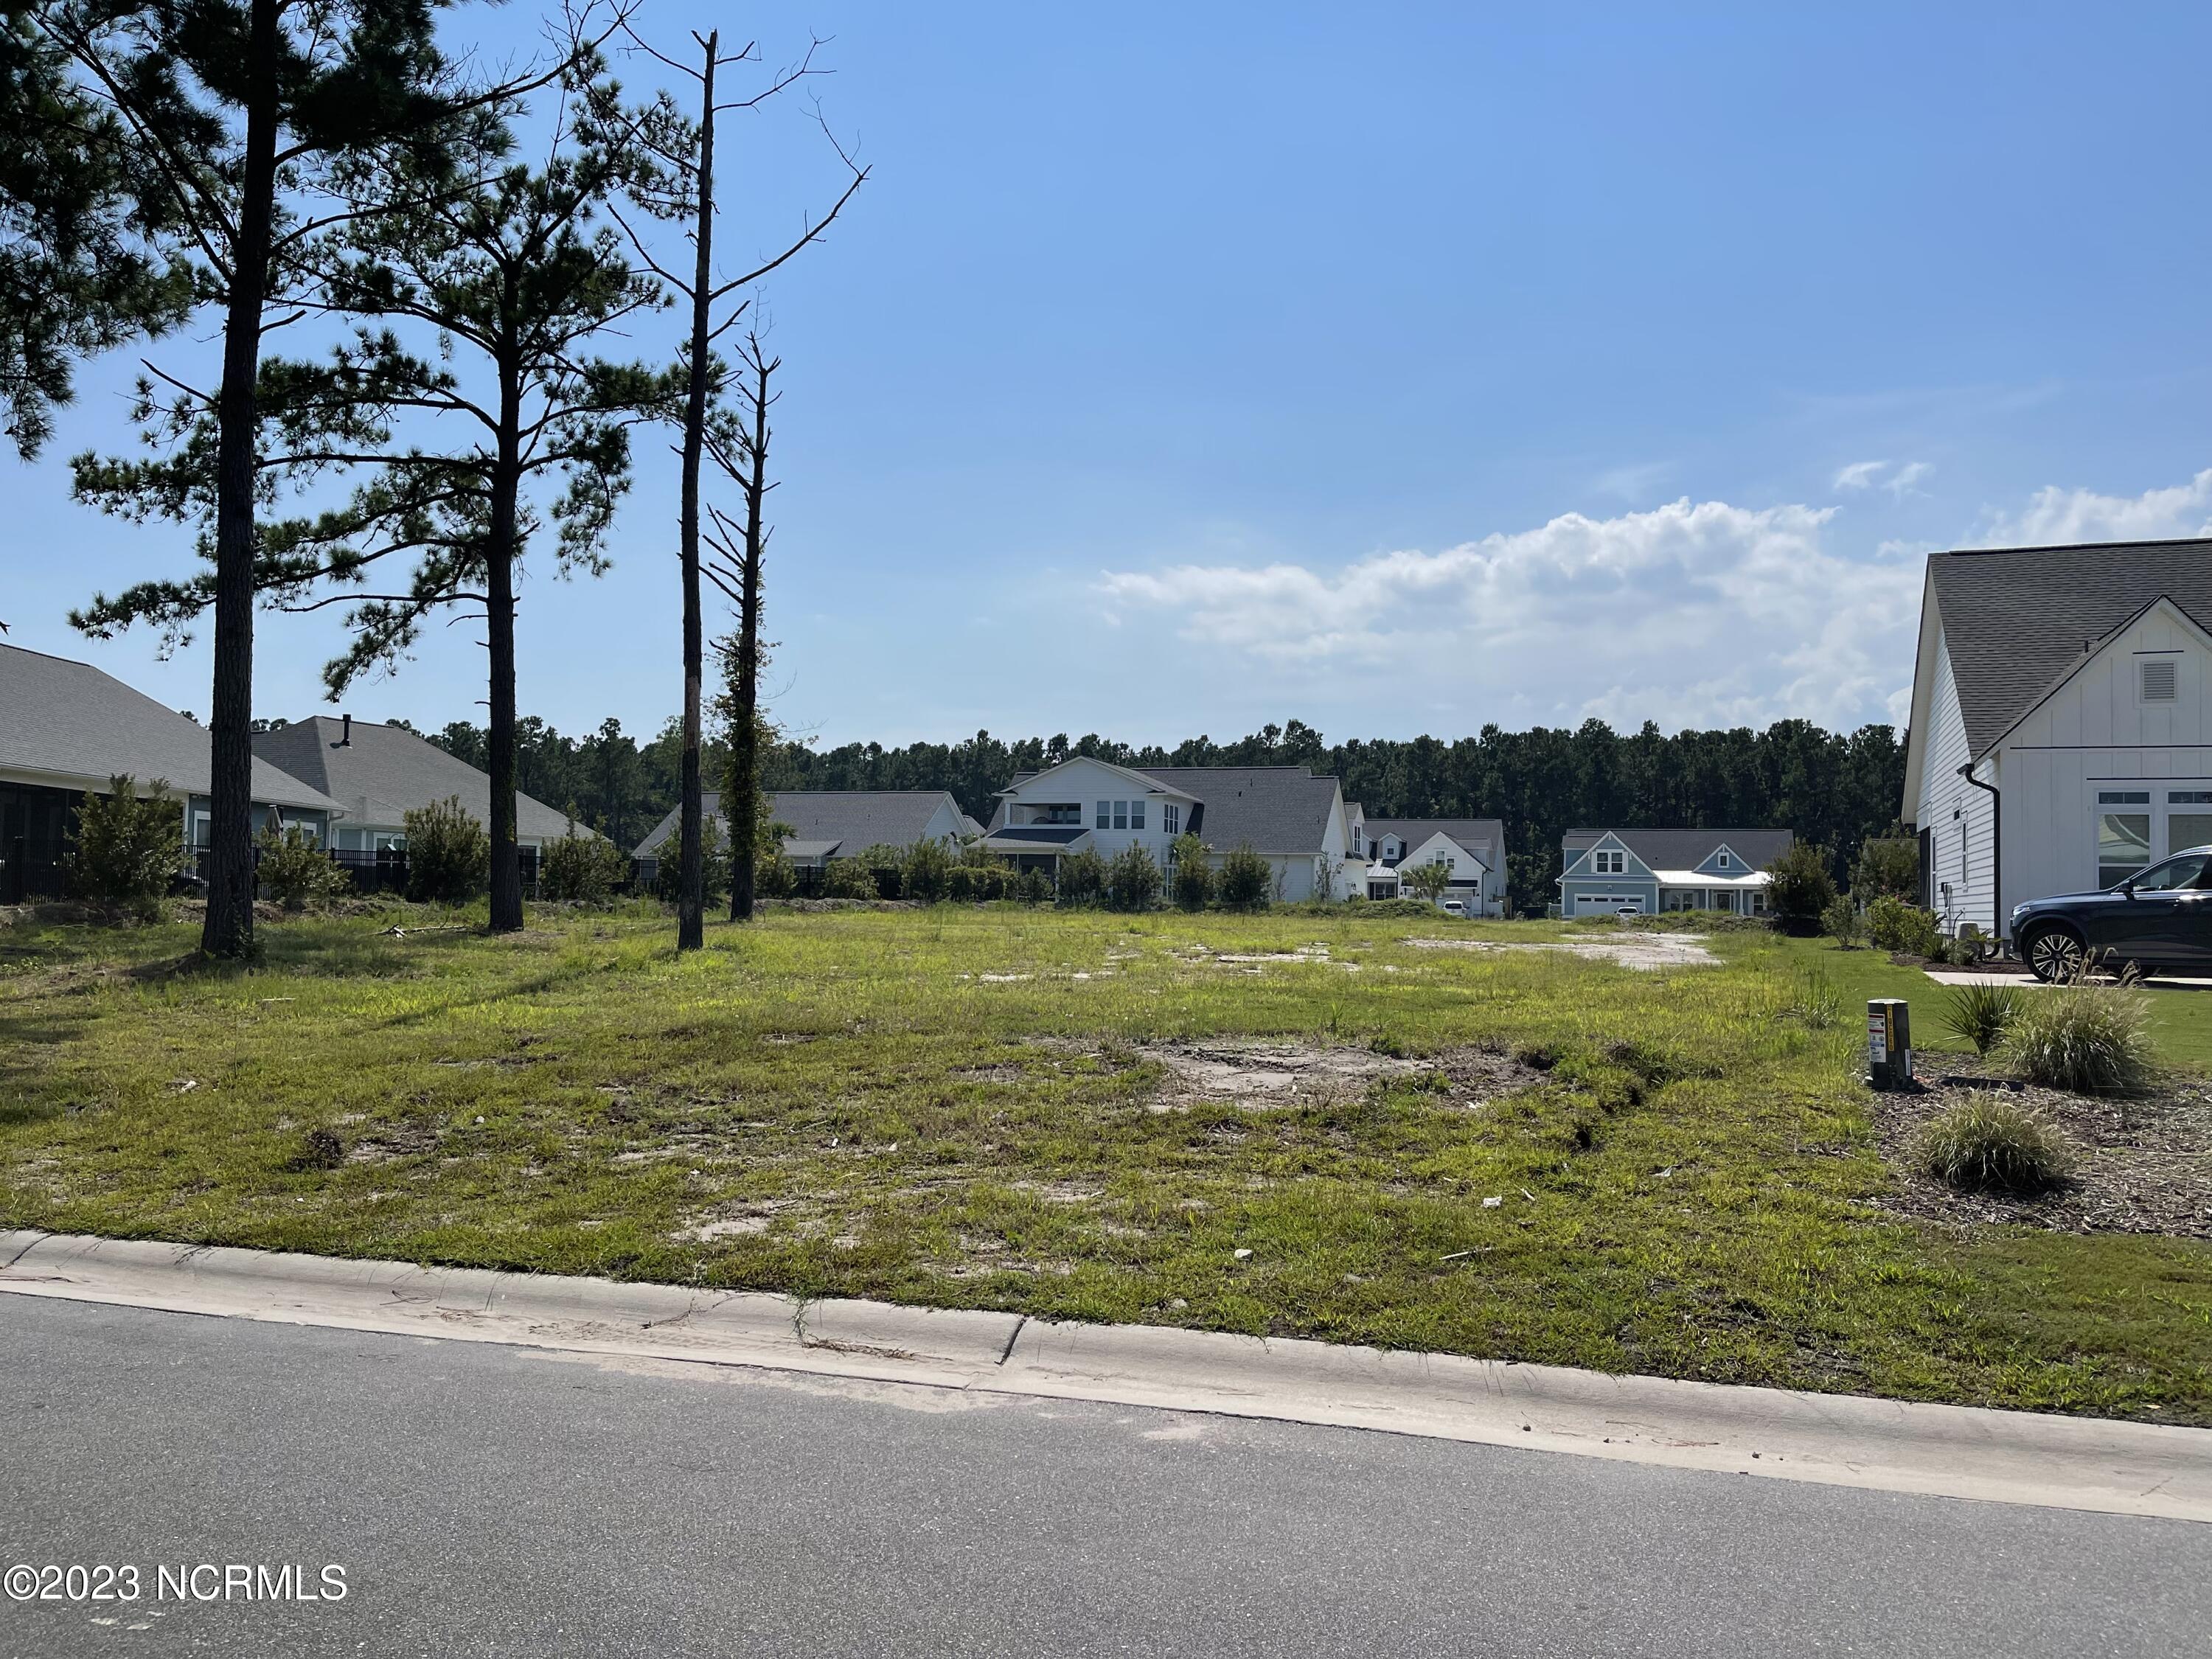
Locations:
(345, 733)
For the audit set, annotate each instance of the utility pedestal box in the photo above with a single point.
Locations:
(1889, 1043)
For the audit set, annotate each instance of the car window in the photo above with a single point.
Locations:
(2184, 871)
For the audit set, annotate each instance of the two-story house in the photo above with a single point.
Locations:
(1293, 819)
(1604, 872)
(2060, 733)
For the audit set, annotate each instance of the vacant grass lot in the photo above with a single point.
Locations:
(968, 1107)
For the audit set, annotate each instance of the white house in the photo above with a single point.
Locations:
(2062, 721)
(1472, 849)
(1297, 822)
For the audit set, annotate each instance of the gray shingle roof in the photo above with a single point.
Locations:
(1470, 833)
(386, 769)
(71, 718)
(1274, 809)
(853, 819)
(1686, 849)
(2016, 620)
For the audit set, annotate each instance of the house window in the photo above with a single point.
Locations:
(1058, 812)
(1722, 861)
(1611, 863)
(1171, 819)
(2184, 829)
(2155, 679)
(1105, 815)
(1136, 815)
(1121, 815)
(2123, 836)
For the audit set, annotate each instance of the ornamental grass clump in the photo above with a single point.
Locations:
(1988, 1143)
(1981, 1014)
(2085, 1038)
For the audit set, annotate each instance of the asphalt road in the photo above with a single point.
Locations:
(489, 1500)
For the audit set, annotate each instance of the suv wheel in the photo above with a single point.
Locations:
(2054, 954)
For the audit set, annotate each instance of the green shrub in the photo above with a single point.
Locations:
(2091, 1039)
(1990, 1143)
(1245, 881)
(1428, 882)
(1035, 887)
(1133, 880)
(588, 868)
(774, 875)
(849, 879)
(1888, 866)
(885, 862)
(976, 883)
(926, 874)
(1840, 921)
(448, 853)
(1082, 877)
(1981, 1014)
(666, 872)
(1193, 883)
(125, 851)
(1904, 928)
(1800, 889)
(291, 867)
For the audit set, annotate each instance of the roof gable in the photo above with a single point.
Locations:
(381, 772)
(2018, 621)
(1683, 849)
(848, 819)
(69, 720)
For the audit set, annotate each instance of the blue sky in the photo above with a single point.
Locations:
(1184, 368)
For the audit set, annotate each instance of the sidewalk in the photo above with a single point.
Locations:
(2082, 1463)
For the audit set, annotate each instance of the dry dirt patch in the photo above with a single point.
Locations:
(1280, 1076)
(1646, 951)
(2144, 1164)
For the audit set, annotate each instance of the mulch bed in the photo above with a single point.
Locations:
(2143, 1163)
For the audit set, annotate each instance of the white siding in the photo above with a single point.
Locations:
(2091, 732)
(1958, 815)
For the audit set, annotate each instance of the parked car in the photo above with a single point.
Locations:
(2160, 917)
(1453, 908)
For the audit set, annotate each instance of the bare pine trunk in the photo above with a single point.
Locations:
(228, 930)
(745, 739)
(691, 887)
(499, 596)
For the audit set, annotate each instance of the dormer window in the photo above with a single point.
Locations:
(1721, 861)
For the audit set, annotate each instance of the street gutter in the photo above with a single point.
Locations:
(1903, 1446)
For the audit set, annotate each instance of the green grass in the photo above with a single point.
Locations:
(1686, 1192)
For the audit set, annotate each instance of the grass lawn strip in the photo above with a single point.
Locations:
(963, 1107)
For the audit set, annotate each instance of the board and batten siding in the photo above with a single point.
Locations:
(1957, 817)
(2095, 732)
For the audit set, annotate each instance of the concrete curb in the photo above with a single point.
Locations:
(1957, 1451)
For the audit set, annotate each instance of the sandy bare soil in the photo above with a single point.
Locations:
(1641, 951)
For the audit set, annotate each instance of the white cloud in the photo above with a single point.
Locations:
(1865, 474)
(1900, 482)
(1688, 614)
(2054, 516)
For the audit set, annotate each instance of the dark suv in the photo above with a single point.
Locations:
(2160, 917)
